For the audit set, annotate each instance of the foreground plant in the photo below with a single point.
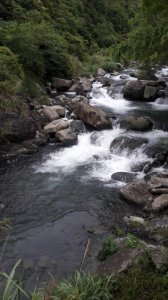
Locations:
(84, 287)
(12, 289)
(109, 247)
(132, 241)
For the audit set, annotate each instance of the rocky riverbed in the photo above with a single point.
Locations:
(103, 167)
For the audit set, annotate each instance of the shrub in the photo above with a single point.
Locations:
(109, 247)
(132, 241)
(11, 72)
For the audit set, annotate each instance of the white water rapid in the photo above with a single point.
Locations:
(92, 153)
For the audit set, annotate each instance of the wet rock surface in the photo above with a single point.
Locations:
(134, 149)
(125, 142)
(92, 116)
(136, 192)
(136, 123)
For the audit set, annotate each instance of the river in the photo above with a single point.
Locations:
(57, 196)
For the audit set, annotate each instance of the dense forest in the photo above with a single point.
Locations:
(61, 38)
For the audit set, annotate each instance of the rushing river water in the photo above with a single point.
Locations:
(56, 196)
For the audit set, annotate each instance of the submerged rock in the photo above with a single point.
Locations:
(136, 123)
(92, 116)
(123, 176)
(124, 142)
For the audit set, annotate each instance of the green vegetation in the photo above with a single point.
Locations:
(11, 72)
(109, 247)
(56, 38)
(84, 287)
(141, 281)
(132, 241)
(148, 39)
(4, 224)
(12, 289)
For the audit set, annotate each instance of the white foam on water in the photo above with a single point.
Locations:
(160, 104)
(101, 98)
(162, 73)
(93, 150)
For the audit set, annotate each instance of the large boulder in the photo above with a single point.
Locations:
(125, 142)
(134, 90)
(92, 116)
(136, 123)
(77, 126)
(16, 128)
(159, 256)
(61, 84)
(145, 90)
(60, 110)
(150, 93)
(136, 192)
(67, 137)
(50, 113)
(119, 262)
(160, 202)
(84, 86)
(70, 103)
(56, 125)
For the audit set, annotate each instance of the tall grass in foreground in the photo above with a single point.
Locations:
(84, 287)
(12, 289)
(80, 287)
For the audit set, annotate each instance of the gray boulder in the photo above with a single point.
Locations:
(134, 90)
(100, 72)
(124, 142)
(50, 112)
(77, 126)
(159, 256)
(136, 123)
(123, 176)
(56, 125)
(92, 116)
(16, 128)
(60, 110)
(61, 84)
(160, 202)
(67, 137)
(136, 192)
(84, 86)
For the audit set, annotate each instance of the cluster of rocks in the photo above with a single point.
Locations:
(145, 90)
(127, 256)
(151, 192)
(61, 121)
